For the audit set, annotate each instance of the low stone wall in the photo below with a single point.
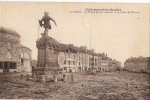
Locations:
(12, 70)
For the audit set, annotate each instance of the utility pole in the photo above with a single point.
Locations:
(45, 36)
(90, 52)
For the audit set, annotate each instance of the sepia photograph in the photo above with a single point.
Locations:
(74, 50)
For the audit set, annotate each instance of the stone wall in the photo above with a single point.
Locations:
(26, 59)
(10, 48)
(12, 52)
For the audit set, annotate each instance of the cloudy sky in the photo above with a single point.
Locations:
(119, 35)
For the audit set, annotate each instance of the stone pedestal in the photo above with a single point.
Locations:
(35, 77)
(47, 64)
(55, 78)
(27, 77)
(43, 79)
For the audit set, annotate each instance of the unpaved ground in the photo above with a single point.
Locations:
(107, 86)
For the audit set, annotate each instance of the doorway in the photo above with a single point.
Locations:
(7, 65)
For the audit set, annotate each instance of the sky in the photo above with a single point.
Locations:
(120, 35)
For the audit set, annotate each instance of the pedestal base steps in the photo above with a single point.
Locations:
(47, 74)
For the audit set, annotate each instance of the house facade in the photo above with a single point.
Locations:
(14, 57)
(139, 64)
(80, 59)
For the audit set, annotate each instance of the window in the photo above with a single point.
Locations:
(5, 65)
(65, 68)
(65, 62)
(12, 65)
(1, 65)
(73, 62)
(21, 61)
(74, 56)
(69, 55)
(68, 62)
(79, 63)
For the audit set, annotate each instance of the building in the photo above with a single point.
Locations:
(67, 58)
(26, 59)
(116, 65)
(99, 62)
(80, 59)
(139, 64)
(14, 57)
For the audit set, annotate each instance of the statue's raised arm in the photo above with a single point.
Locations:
(53, 21)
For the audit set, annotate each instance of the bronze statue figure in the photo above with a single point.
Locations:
(46, 19)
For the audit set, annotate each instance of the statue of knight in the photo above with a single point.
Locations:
(46, 19)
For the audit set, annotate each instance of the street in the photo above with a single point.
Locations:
(106, 86)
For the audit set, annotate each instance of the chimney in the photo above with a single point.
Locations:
(85, 48)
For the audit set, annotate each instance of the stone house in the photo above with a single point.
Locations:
(139, 64)
(13, 56)
(67, 58)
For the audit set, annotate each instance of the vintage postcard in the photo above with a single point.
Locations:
(74, 51)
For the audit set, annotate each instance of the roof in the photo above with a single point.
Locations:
(67, 48)
(80, 49)
(71, 48)
(63, 47)
(90, 52)
(9, 31)
(144, 59)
